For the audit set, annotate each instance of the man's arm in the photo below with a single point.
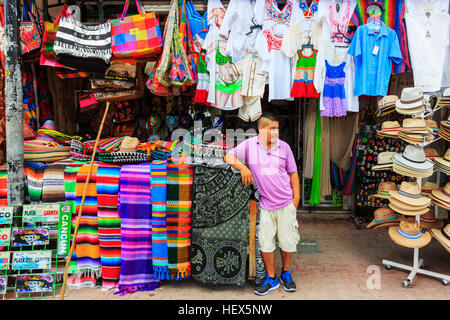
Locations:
(295, 183)
(246, 174)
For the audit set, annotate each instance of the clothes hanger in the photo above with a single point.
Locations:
(253, 27)
(339, 34)
(308, 45)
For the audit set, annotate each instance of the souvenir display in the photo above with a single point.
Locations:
(34, 283)
(30, 237)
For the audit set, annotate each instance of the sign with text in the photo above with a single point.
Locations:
(64, 228)
(4, 260)
(47, 212)
(30, 237)
(26, 260)
(3, 285)
(6, 214)
(34, 283)
(5, 237)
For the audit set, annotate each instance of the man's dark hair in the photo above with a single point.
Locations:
(265, 118)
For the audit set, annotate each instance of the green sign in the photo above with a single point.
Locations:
(64, 227)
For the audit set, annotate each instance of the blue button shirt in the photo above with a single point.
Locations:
(373, 69)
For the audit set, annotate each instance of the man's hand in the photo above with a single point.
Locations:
(295, 201)
(246, 175)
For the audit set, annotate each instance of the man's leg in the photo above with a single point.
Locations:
(268, 263)
(286, 260)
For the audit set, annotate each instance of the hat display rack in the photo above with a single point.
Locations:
(411, 225)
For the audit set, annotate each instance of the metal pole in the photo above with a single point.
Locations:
(13, 106)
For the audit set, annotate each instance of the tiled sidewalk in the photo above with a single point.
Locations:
(333, 264)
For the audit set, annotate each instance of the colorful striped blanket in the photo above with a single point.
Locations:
(135, 211)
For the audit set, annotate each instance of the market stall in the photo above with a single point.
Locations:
(128, 112)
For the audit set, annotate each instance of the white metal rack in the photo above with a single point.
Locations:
(418, 264)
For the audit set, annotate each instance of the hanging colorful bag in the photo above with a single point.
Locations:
(136, 36)
(83, 47)
(30, 28)
(50, 29)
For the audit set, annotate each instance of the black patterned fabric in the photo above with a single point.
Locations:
(220, 222)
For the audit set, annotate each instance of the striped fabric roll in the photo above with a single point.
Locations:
(136, 269)
(34, 172)
(109, 224)
(87, 245)
(179, 206)
(159, 223)
(53, 183)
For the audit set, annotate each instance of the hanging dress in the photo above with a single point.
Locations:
(303, 85)
(334, 97)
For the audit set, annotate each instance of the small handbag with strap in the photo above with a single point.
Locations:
(50, 29)
(31, 27)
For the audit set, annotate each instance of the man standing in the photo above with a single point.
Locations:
(271, 163)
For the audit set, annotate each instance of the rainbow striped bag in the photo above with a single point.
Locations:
(136, 36)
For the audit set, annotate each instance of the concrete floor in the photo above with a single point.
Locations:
(342, 268)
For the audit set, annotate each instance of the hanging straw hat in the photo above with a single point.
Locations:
(383, 217)
(443, 164)
(443, 194)
(384, 189)
(405, 171)
(408, 234)
(389, 129)
(410, 98)
(428, 186)
(386, 104)
(413, 158)
(428, 221)
(409, 194)
(442, 235)
(385, 161)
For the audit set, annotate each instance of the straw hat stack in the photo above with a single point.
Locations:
(428, 221)
(384, 217)
(386, 104)
(441, 197)
(413, 163)
(431, 153)
(432, 125)
(385, 161)
(428, 187)
(411, 102)
(444, 130)
(408, 234)
(408, 200)
(444, 100)
(442, 235)
(443, 164)
(384, 189)
(415, 131)
(389, 129)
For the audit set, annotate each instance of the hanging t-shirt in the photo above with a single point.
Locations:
(374, 47)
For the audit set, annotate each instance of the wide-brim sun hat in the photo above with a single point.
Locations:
(408, 234)
(383, 217)
(442, 235)
(412, 111)
(384, 161)
(442, 194)
(406, 206)
(413, 164)
(404, 171)
(408, 212)
(384, 188)
(410, 98)
(428, 221)
(409, 193)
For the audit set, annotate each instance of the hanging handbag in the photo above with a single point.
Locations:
(120, 75)
(30, 27)
(85, 48)
(136, 36)
(50, 29)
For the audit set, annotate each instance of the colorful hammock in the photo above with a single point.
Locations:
(344, 181)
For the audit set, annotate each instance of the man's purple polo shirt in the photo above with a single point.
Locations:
(270, 170)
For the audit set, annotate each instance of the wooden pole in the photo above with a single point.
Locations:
(252, 241)
(72, 247)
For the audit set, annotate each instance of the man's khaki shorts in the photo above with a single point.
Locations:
(282, 222)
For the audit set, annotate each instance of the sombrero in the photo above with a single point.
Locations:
(384, 188)
(408, 234)
(428, 221)
(383, 217)
(442, 235)
(409, 193)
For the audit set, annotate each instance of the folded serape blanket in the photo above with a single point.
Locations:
(34, 172)
(53, 183)
(135, 211)
(159, 220)
(179, 204)
(109, 223)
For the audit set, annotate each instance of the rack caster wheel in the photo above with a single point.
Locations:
(444, 282)
(388, 267)
(406, 284)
